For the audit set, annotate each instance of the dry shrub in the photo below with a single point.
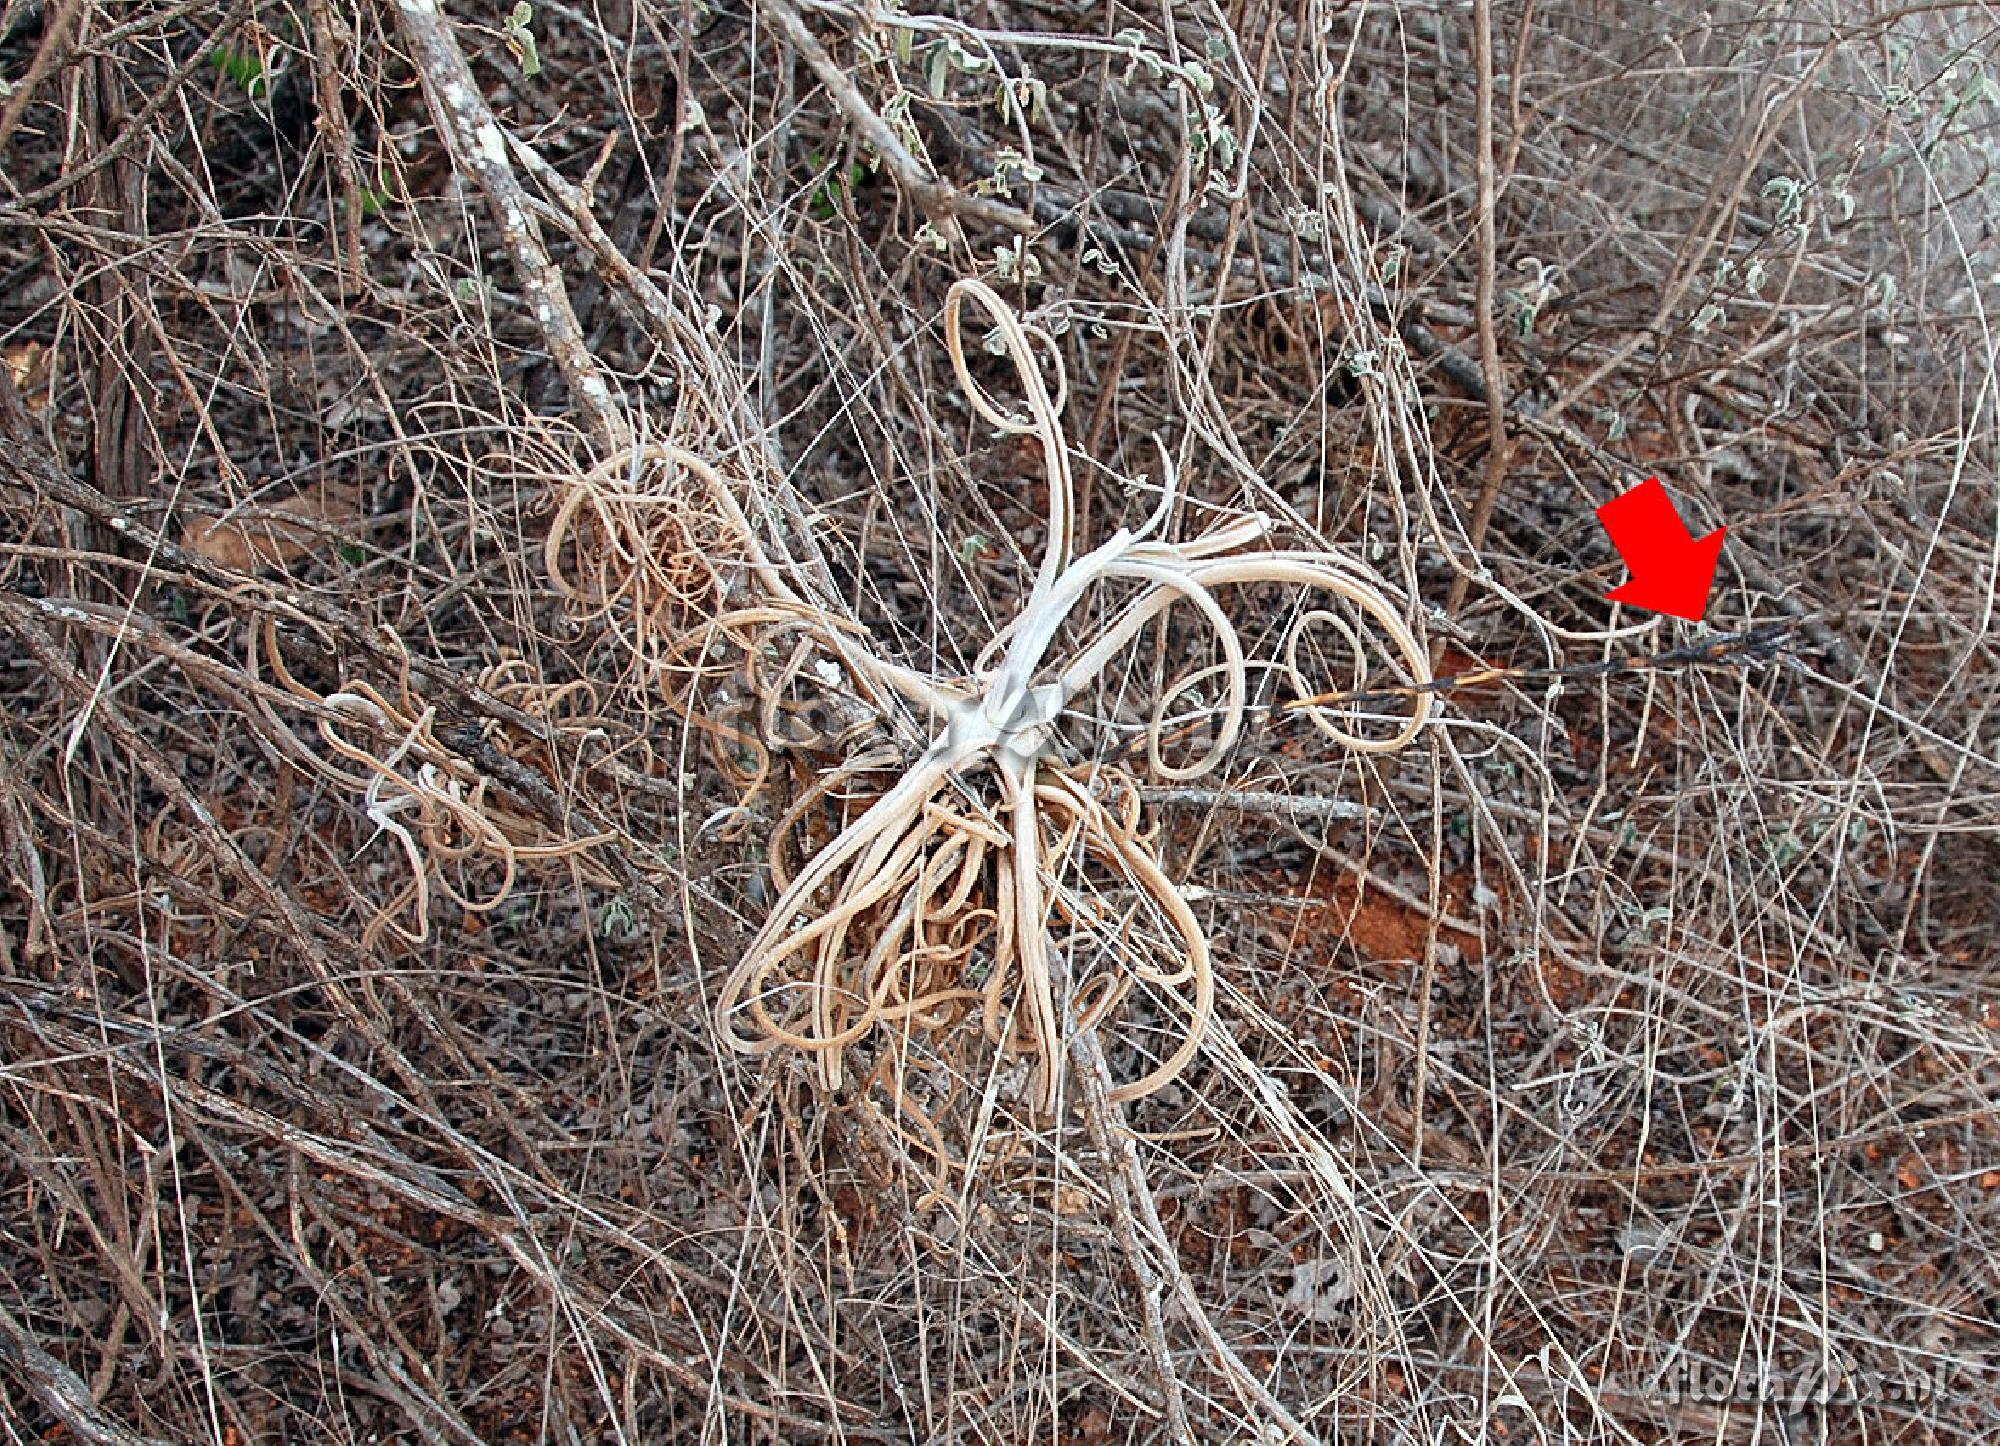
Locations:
(502, 518)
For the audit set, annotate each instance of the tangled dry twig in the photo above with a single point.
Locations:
(516, 521)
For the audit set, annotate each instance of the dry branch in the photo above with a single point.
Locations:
(479, 151)
(1639, 1034)
(943, 203)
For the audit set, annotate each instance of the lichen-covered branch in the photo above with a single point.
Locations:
(479, 150)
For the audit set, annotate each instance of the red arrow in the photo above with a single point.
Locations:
(1671, 571)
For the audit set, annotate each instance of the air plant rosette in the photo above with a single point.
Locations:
(992, 878)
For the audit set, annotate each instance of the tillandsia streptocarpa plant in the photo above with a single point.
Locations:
(970, 884)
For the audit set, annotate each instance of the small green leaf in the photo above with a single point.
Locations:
(1977, 91)
(964, 60)
(242, 68)
(1790, 195)
(616, 920)
(521, 39)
